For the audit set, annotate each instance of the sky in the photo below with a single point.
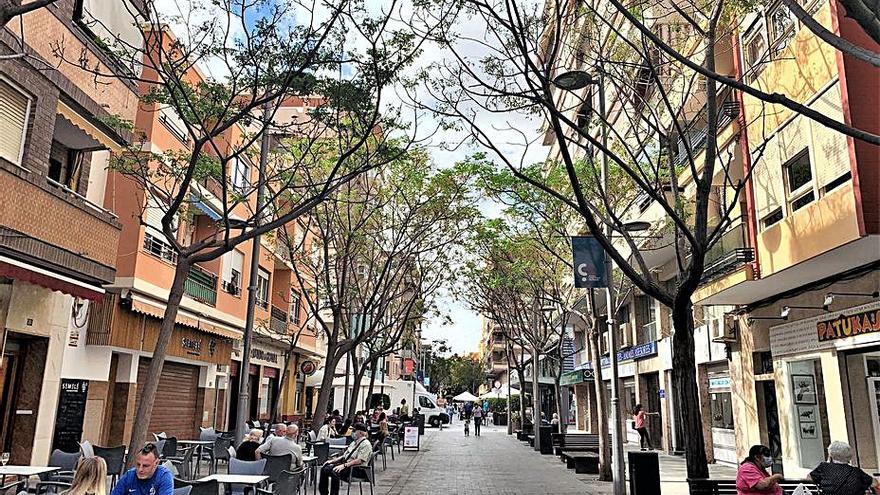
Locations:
(458, 325)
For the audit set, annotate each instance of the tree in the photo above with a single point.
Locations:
(10, 9)
(260, 62)
(385, 245)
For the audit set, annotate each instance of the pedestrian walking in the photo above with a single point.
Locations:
(467, 426)
(478, 420)
(837, 476)
(403, 410)
(639, 415)
(752, 477)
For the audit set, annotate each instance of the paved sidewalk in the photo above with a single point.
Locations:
(498, 464)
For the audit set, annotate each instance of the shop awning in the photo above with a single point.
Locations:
(156, 309)
(205, 208)
(25, 272)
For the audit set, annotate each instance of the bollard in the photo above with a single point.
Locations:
(644, 473)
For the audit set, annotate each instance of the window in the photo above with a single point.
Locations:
(294, 307)
(722, 410)
(241, 175)
(755, 49)
(14, 114)
(623, 314)
(263, 289)
(65, 165)
(232, 270)
(772, 218)
(799, 181)
(155, 242)
(172, 121)
(780, 26)
(834, 184)
(426, 403)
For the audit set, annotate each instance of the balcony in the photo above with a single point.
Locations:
(648, 332)
(278, 320)
(730, 252)
(201, 285)
(698, 136)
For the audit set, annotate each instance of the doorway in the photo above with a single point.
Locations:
(9, 377)
(769, 419)
(651, 395)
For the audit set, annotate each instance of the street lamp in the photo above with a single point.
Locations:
(572, 81)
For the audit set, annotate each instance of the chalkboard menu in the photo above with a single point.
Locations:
(71, 411)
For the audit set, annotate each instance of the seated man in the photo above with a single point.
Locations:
(356, 454)
(147, 477)
(284, 442)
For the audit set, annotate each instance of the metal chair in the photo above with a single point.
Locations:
(220, 452)
(244, 467)
(362, 474)
(199, 487)
(14, 488)
(184, 463)
(288, 483)
(169, 448)
(114, 457)
(67, 461)
(184, 490)
(275, 465)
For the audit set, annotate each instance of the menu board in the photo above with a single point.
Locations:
(411, 437)
(71, 411)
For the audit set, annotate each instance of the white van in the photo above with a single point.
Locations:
(392, 392)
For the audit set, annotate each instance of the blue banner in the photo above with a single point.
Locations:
(637, 352)
(589, 263)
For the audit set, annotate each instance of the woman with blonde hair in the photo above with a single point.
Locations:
(248, 448)
(90, 478)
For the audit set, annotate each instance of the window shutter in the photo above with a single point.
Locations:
(233, 260)
(830, 151)
(14, 112)
(153, 214)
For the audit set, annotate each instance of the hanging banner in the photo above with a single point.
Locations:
(589, 263)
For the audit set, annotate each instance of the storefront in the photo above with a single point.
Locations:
(721, 412)
(828, 386)
(266, 364)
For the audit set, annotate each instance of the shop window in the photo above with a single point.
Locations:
(809, 421)
(722, 410)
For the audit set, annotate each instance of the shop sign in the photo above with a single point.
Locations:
(264, 355)
(637, 352)
(408, 366)
(662, 393)
(191, 346)
(722, 382)
(308, 368)
(844, 326)
(576, 376)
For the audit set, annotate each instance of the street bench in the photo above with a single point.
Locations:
(728, 487)
(577, 442)
(582, 462)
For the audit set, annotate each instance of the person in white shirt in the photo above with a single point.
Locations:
(327, 431)
(283, 445)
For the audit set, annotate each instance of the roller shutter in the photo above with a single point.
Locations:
(174, 410)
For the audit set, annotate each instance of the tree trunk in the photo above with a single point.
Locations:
(370, 390)
(684, 375)
(601, 411)
(330, 363)
(147, 396)
(536, 396)
(276, 399)
(355, 391)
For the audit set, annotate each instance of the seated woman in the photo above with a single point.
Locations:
(838, 477)
(752, 476)
(90, 478)
(383, 427)
(248, 448)
(328, 430)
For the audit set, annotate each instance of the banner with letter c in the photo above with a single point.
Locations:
(589, 263)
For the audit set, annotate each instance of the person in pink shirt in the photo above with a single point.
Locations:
(639, 416)
(753, 478)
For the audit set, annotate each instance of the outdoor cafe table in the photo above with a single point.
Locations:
(26, 471)
(243, 479)
(200, 446)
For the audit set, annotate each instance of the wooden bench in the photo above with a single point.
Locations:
(582, 462)
(728, 487)
(577, 442)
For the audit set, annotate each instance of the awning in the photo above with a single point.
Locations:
(156, 309)
(316, 379)
(465, 397)
(84, 125)
(206, 208)
(24, 272)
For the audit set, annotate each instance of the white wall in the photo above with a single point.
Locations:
(82, 362)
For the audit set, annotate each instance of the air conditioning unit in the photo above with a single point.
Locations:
(723, 330)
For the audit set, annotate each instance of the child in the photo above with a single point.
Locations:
(467, 426)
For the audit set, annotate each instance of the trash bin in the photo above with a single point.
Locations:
(546, 439)
(644, 473)
(420, 422)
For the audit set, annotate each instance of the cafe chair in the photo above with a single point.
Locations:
(199, 487)
(115, 459)
(237, 466)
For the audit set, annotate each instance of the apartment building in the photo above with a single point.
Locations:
(59, 244)
(798, 324)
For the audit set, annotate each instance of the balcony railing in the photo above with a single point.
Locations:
(278, 320)
(728, 110)
(201, 285)
(730, 252)
(648, 333)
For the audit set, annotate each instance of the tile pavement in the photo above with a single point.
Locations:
(497, 464)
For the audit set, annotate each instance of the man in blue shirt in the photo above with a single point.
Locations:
(147, 477)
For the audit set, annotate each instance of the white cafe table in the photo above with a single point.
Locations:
(26, 470)
(243, 479)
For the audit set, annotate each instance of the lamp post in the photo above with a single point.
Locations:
(572, 81)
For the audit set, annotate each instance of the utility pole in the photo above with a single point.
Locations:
(244, 372)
